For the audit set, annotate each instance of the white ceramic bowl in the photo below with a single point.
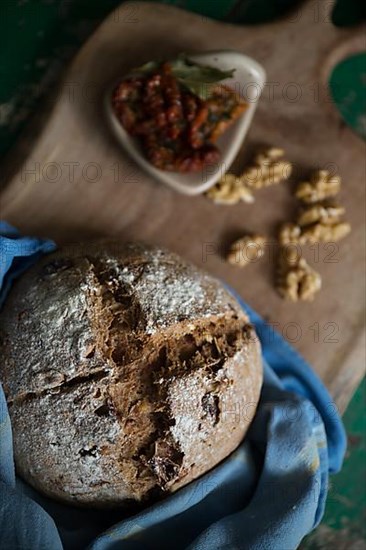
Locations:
(248, 79)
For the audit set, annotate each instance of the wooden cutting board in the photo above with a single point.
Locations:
(68, 179)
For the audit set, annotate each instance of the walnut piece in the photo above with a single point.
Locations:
(297, 281)
(268, 168)
(246, 250)
(327, 214)
(289, 233)
(322, 185)
(324, 233)
(230, 190)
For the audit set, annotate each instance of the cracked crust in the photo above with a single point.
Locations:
(128, 373)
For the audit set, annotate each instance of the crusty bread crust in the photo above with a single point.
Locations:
(127, 371)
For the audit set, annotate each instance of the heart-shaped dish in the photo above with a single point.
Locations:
(248, 81)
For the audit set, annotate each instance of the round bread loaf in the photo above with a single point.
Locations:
(127, 371)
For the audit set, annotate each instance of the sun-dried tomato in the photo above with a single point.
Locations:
(177, 129)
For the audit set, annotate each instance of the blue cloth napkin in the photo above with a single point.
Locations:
(268, 494)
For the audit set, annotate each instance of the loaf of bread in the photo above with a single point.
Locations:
(128, 373)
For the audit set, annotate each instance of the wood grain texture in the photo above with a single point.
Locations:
(85, 187)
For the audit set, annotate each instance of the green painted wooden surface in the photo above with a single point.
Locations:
(344, 523)
(348, 89)
(38, 37)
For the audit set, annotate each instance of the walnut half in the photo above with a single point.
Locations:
(296, 281)
(246, 250)
(322, 185)
(323, 233)
(230, 190)
(314, 233)
(289, 233)
(325, 213)
(268, 168)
